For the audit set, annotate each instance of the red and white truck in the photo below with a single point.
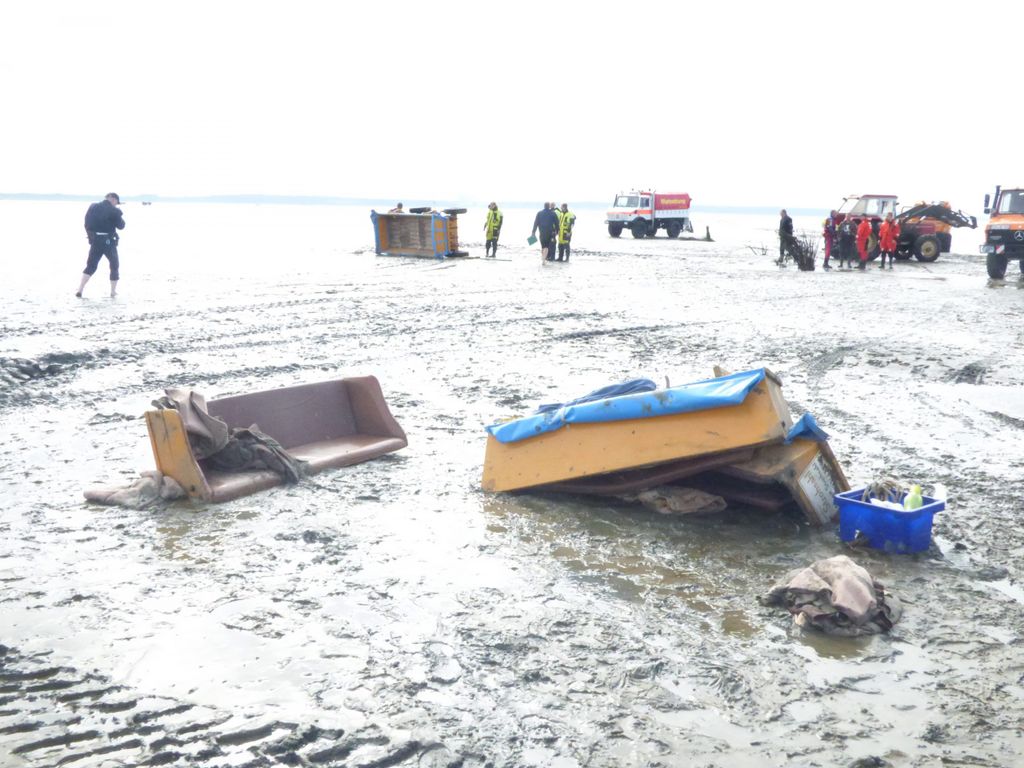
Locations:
(644, 213)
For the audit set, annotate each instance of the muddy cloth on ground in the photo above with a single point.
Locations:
(838, 597)
(229, 450)
(150, 488)
(677, 500)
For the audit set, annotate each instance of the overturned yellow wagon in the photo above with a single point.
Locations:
(733, 434)
(420, 232)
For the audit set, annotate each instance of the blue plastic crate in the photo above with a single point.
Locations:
(889, 529)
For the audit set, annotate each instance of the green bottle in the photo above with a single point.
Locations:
(913, 499)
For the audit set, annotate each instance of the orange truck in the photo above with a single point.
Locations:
(644, 213)
(924, 227)
(1004, 233)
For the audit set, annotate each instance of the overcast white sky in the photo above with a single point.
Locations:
(760, 103)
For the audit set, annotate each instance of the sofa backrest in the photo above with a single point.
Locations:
(293, 416)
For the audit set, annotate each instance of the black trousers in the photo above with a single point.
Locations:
(845, 251)
(103, 245)
(563, 251)
(785, 243)
(547, 242)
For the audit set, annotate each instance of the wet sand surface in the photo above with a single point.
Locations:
(393, 613)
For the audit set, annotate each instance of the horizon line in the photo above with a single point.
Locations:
(336, 200)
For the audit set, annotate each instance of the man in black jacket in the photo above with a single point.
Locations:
(102, 221)
(546, 222)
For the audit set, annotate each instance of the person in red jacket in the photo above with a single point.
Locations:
(888, 235)
(863, 233)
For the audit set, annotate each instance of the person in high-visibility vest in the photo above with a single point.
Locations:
(565, 223)
(493, 229)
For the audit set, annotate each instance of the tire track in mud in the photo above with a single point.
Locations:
(208, 334)
(57, 716)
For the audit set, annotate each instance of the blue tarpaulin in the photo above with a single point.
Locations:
(612, 390)
(698, 396)
(808, 429)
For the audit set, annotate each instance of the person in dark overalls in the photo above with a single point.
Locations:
(546, 224)
(102, 221)
(847, 239)
(785, 235)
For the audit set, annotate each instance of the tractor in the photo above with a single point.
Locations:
(924, 227)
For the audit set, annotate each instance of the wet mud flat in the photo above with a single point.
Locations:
(394, 614)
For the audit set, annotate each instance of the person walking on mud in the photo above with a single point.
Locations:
(565, 224)
(785, 234)
(492, 229)
(102, 221)
(888, 236)
(545, 223)
(863, 235)
(847, 238)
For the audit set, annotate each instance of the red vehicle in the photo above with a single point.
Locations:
(644, 213)
(924, 227)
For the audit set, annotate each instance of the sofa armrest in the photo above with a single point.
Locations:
(173, 454)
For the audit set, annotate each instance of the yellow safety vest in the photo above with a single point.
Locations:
(493, 224)
(565, 221)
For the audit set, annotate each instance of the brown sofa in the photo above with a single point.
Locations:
(328, 424)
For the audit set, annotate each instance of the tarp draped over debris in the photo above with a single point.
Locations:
(630, 387)
(720, 392)
(227, 449)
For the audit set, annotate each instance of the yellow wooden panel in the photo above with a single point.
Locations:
(791, 466)
(173, 454)
(581, 450)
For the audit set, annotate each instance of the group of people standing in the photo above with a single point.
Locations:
(554, 226)
(846, 235)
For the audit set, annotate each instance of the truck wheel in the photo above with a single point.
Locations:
(453, 211)
(639, 229)
(615, 229)
(873, 247)
(996, 263)
(673, 228)
(927, 248)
